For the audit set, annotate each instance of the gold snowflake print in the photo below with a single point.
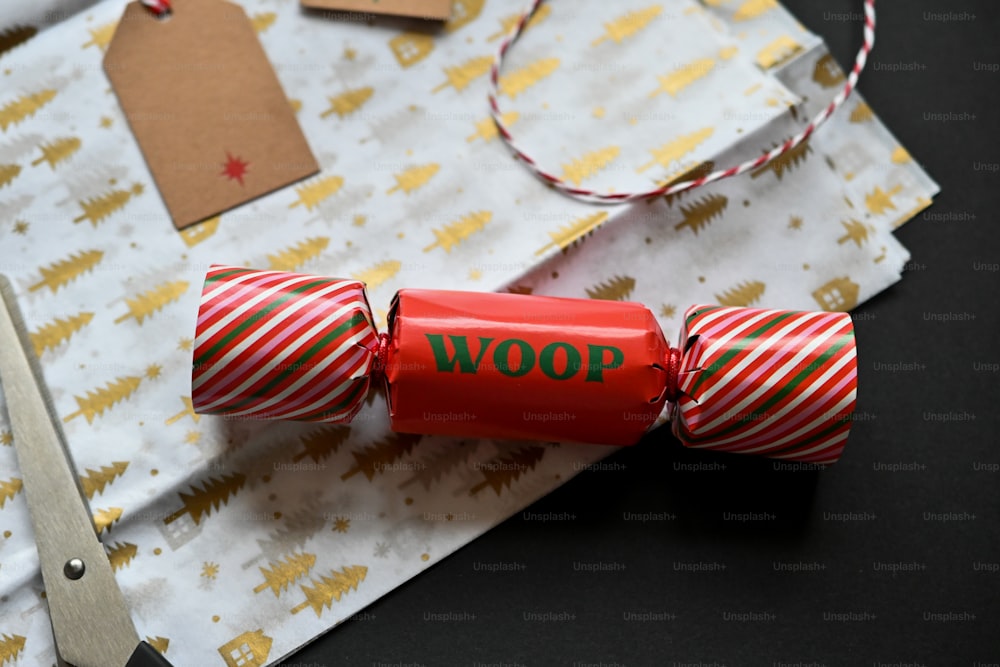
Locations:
(795, 222)
(21, 227)
(185, 344)
(192, 437)
(6, 438)
(153, 371)
(341, 525)
(209, 570)
(668, 310)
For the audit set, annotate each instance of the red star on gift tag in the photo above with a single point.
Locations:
(234, 168)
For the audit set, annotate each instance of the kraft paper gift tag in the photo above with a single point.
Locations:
(439, 10)
(206, 107)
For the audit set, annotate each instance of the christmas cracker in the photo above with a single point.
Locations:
(277, 345)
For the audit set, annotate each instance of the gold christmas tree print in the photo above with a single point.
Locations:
(348, 102)
(331, 587)
(922, 203)
(698, 214)
(744, 294)
(777, 52)
(314, 193)
(8, 172)
(461, 76)
(486, 129)
(751, 9)
(375, 275)
(862, 113)
(161, 644)
(463, 12)
(261, 21)
(298, 528)
(67, 270)
(9, 489)
(697, 171)
(101, 35)
(382, 453)
(413, 178)
(58, 150)
(855, 231)
(213, 493)
(900, 155)
(97, 208)
(506, 469)
(589, 164)
(16, 35)
(94, 481)
(321, 443)
(514, 83)
(785, 162)
(121, 555)
(878, 201)
(627, 25)
(10, 648)
(103, 519)
(202, 231)
(97, 401)
(508, 22)
(454, 233)
(436, 465)
(411, 47)
(617, 288)
(278, 576)
(672, 151)
(683, 76)
(146, 303)
(295, 256)
(248, 649)
(188, 411)
(23, 107)
(572, 232)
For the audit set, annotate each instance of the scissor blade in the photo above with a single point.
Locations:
(90, 621)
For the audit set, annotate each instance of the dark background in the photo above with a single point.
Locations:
(882, 579)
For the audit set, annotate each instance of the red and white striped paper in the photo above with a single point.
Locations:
(773, 383)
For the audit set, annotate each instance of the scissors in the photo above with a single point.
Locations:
(90, 622)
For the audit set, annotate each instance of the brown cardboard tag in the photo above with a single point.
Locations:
(439, 10)
(206, 107)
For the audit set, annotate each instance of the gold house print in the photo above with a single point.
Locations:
(840, 294)
(249, 649)
(411, 47)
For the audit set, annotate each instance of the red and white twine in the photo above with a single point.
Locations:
(622, 197)
(158, 7)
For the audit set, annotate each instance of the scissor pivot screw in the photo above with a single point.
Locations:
(74, 568)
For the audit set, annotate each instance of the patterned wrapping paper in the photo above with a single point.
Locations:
(266, 535)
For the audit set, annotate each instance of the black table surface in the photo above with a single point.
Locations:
(890, 557)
